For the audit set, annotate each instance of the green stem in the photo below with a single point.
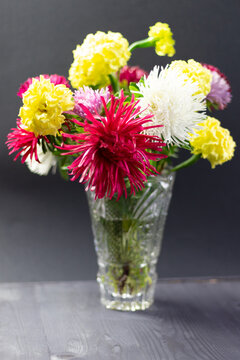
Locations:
(187, 163)
(149, 42)
(114, 83)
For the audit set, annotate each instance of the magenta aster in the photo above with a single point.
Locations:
(113, 148)
(132, 74)
(91, 99)
(55, 79)
(23, 141)
(220, 93)
(58, 79)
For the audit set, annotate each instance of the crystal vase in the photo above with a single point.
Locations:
(128, 235)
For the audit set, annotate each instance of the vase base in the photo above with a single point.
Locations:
(126, 305)
(142, 300)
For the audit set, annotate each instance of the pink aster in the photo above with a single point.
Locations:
(91, 99)
(113, 148)
(55, 79)
(220, 94)
(22, 141)
(132, 74)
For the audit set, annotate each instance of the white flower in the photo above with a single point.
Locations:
(174, 101)
(47, 161)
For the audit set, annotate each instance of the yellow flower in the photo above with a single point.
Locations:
(43, 105)
(99, 56)
(213, 142)
(196, 72)
(162, 33)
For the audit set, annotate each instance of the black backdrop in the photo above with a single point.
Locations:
(44, 223)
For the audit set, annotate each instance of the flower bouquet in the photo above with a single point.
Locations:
(118, 133)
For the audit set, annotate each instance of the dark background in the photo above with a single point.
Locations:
(45, 229)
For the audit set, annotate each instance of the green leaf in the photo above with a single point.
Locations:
(71, 116)
(114, 82)
(44, 147)
(63, 163)
(135, 90)
(64, 174)
(133, 86)
(211, 106)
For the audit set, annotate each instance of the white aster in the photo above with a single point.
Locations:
(47, 162)
(174, 101)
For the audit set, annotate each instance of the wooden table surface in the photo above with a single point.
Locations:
(190, 319)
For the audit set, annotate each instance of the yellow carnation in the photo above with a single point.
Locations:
(196, 72)
(99, 56)
(43, 105)
(213, 142)
(162, 33)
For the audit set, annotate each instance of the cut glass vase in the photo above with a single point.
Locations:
(128, 236)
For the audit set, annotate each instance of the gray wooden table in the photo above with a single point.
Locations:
(191, 319)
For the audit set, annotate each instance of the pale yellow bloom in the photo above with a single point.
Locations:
(100, 55)
(43, 107)
(196, 72)
(162, 33)
(213, 142)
